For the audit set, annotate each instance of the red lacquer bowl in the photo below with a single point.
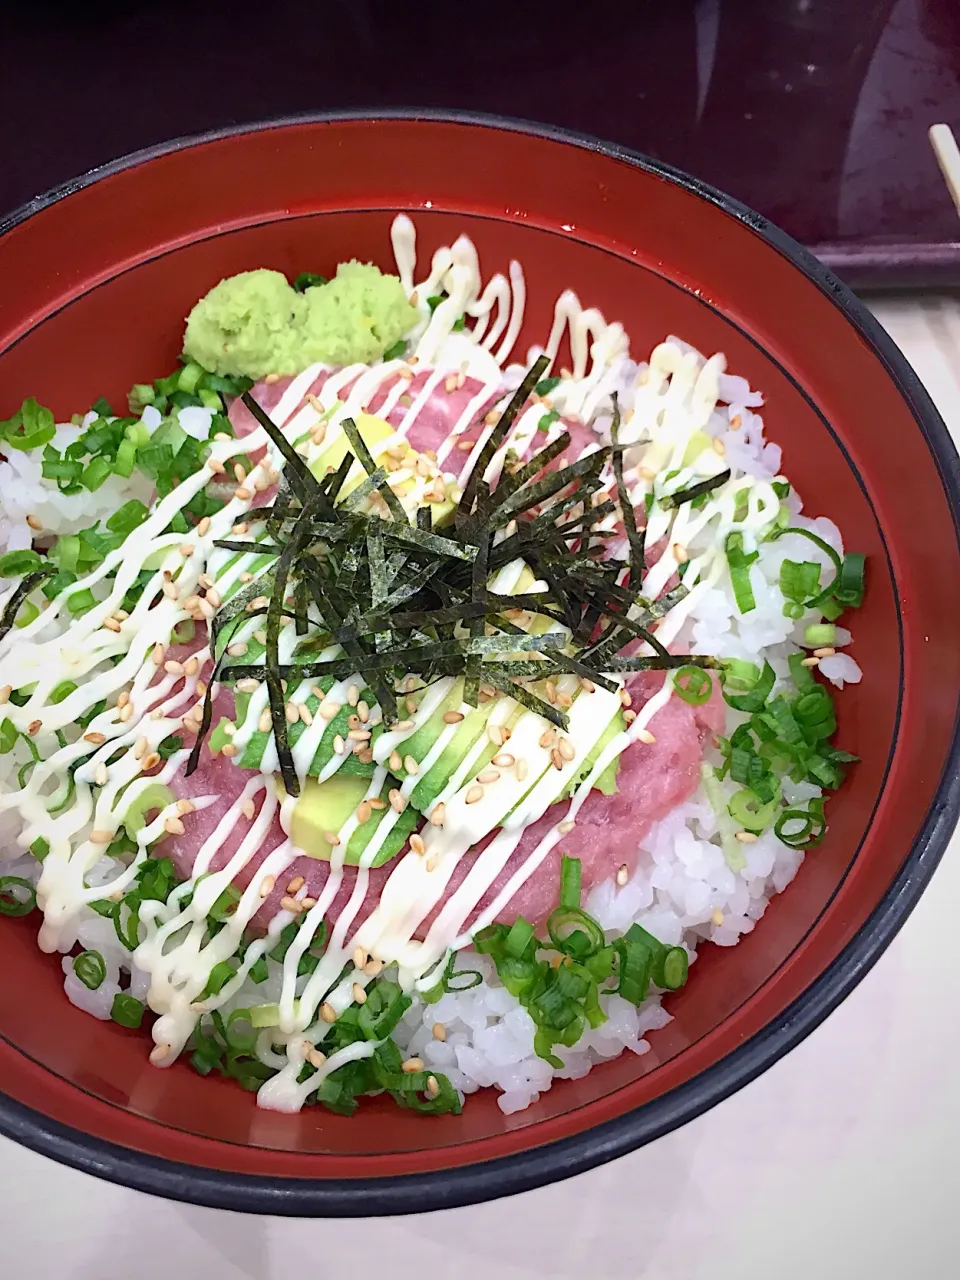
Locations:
(97, 277)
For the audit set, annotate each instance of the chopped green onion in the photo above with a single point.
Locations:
(40, 848)
(546, 385)
(127, 1011)
(382, 1010)
(820, 635)
(693, 685)
(90, 968)
(396, 351)
(516, 941)
(17, 563)
(80, 602)
(308, 280)
(571, 877)
(220, 975)
(241, 1033)
(739, 563)
(17, 896)
(128, 517)
(750, 813)
(567, 926)
(29, 428)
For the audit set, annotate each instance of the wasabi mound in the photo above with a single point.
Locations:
(256, 323)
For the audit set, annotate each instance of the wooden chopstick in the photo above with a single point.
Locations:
(948, 157)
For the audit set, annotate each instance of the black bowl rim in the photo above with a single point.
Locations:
(551, 1162)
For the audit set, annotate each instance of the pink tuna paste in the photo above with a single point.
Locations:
(653, 777)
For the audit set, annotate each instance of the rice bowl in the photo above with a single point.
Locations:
(683, 870)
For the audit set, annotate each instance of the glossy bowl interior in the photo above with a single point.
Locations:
(97, 280)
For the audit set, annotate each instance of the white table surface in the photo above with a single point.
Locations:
(838, 1162)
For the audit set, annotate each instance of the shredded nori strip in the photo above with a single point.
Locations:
(12, 607)
(696, 490)
(401, 597)
(634, 537)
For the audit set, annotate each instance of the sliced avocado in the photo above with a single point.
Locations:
(454, 753)
(374, 432)
(607, 782)
(252, 755)
(323, 807)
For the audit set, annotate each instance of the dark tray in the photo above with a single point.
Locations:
(814, 112)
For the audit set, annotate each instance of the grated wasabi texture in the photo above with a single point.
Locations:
(255, 323)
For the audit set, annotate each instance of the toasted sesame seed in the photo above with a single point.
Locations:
(644, 735)
(339, 746)
(417, 845)
(376, 803)
(826, 652)
(187, 549)
(242, 494)
(140, 748)
(112, 624)
(265, 723)
(365, 754)
(680, 553)
(158, 652)
(5, 693)
(353, 722)
(488, 776)
(629, 716)
(587, 685)
(466, 445)
(735, 422)
(398, 800)
(95, 738)
(547, 739)
(521, 769)
(126, 712)
(295, 884)
(626, 700)
(230, 750)
(327, 1012)
(158, 714)
(395, 761)
(403, 726)
(331, 838)
(496, 734)
(409, 764)
(329, 709)
(363, 711)
(437, 814)
(34, 727)
(247, 685)
(237, 650)
(623, 875)
(565, 747)
(411, 704)
(551, 689)
(290, 904)
(203, 528)
(433, 862)
(359, 995)
(504, 759)
(173, 668)
(216, 466)
(810, 662)
(747, 837)
(359, 735)
(565, 827)
(452, 717)
(101, 837)
(153, 759)
(266, 886)
(411, 1065)
(191, 666)
(174, 827)
(474, 794)
(248, 808)
(101, 776)
(556, 758)
(34, 522)
(291, 713)
(353, 695)
(306, 715)
(439, 1031)
(717, 917)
